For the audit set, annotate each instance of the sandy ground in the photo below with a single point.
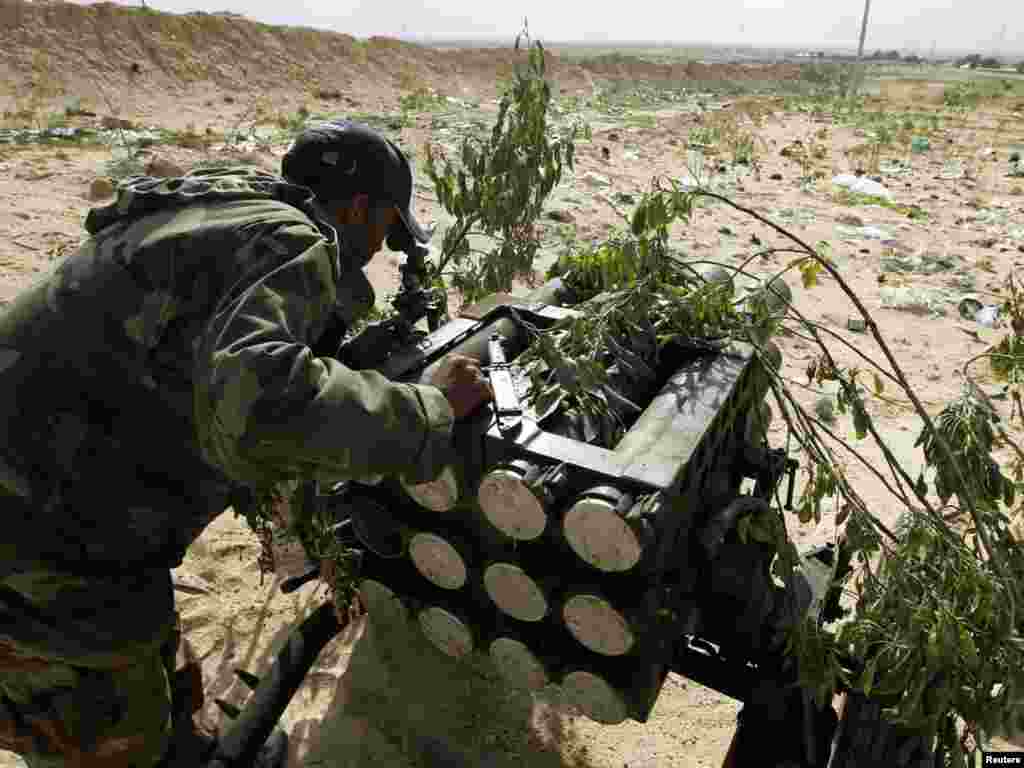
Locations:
(377, 692)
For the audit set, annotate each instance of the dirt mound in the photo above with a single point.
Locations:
(105, 53)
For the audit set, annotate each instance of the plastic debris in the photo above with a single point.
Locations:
(862, 233)
(987, 316)
(920, 144)
(861, 185)
(984, 314)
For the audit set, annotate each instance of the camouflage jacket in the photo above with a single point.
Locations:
(168, 363)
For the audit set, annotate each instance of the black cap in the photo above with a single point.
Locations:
(339, 159)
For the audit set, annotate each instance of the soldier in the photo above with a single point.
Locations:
(165, 367)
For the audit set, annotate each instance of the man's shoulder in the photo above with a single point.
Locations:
(223, 196)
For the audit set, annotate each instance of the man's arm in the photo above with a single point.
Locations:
(268, 409)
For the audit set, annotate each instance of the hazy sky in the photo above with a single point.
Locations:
(991, 25)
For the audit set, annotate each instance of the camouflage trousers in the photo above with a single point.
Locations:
(107, 696)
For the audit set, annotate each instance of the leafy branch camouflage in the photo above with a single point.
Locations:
(934, 628)
(498, 185)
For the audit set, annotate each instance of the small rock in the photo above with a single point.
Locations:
(328, 94)
(850, 220)
(101, 188)
(613, 136)
(776, 177)
(606, 153)
(564, 217)
(161, 166)
(116, 123)
(135, 68)
(229, 99)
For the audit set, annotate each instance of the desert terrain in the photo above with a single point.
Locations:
(92, 94)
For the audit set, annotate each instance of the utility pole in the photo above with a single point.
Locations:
(864, 29)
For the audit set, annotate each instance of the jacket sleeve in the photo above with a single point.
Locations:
(268, 410)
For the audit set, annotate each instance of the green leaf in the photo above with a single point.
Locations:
(921, 486)
(867, 677)
(809, 271)
(861, 420)
(639, 220)
(760, 531)
(742, 529)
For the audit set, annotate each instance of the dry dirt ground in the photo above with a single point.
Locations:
(376, 693)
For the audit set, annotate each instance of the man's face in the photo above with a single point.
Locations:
(365, 227)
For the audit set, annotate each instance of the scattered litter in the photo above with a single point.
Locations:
(856, 324)
(688, 182)
(1017, 233)
(987, 316)
(984, 314)
(861, 185)
(862, 233)
(921, 301)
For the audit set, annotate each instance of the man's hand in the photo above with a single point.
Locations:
(345, 614)
(463, 383)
